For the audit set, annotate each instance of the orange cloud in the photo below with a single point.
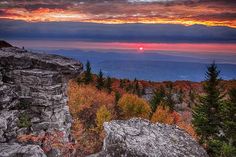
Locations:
(219, 13)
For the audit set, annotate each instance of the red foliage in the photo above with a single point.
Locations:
(50, 141)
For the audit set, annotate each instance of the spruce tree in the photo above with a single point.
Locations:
(100, 80)
(206, 114)
(158, 96)
(169, 100)
(122, 83)
(228, 116)
(137, 88)
(108, 84)
(88, 75)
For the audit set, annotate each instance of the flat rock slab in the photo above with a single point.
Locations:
(16, 58)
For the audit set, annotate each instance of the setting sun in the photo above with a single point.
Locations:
(141, 49)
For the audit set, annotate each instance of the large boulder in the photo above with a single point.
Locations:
(139, 138)
(33, 96)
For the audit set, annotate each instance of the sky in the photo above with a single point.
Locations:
(161, 25)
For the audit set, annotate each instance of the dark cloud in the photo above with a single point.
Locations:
(116, 33)
(222, 16)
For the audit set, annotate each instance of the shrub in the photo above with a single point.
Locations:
(50, 141)
(24, 121)
(102, 115)
(163, 115)
(133, 106)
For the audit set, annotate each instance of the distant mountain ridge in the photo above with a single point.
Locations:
(151, 66)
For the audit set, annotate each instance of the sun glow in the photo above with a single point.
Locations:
(141, 49)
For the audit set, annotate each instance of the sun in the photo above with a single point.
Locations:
(141, 48)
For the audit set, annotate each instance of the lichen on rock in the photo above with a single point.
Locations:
(138, 138)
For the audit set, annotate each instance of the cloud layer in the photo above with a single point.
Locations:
(96, 32)
(186, 12)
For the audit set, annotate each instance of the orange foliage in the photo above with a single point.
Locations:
(164, 115)
(185, 123)
(133, 106)
(85, 103)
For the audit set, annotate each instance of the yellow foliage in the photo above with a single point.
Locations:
(133, 106)
(102, 115)
(162, 115)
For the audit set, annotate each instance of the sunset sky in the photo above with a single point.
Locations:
(171, 25)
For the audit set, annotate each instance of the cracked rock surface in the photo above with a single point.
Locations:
(33, 97)
(139, 138)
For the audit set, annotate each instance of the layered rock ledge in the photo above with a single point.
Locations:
(140, 138)
(33, 97)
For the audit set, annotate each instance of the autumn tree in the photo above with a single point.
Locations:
(100, 80)
(206, 115)
(102, 115)
(133, 106)
(162, 115)
(84, 103)
(88, 75)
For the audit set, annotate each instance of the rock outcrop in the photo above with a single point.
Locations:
(11, 150)
(4, 44)
(140, 138)
(33, 96)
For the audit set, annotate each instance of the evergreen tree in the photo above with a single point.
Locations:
(137, 90)
(169, 100)
(117, 97)
(181, 95)
(88, 75)
(100, 80)
(108, 84)
(206, 115)
(122, 83)
(228, 115)
(158, 96)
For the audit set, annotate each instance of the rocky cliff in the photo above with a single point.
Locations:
(33, 97)
(140, 138)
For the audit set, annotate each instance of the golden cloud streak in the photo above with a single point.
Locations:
(52, 15)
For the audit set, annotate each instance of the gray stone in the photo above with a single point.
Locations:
(33, 91)
(138, 137)
(16, 150)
